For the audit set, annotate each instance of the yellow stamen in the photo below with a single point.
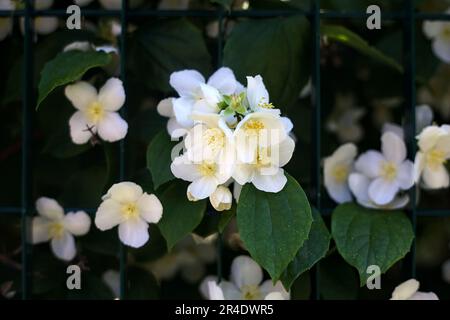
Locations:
(130, 211)
(254, 125)
(56, 230)
(95, 112)
(251, 292)
(435, 158)
(340, 173)
(214, 138)
(207, 169)
(389, 171)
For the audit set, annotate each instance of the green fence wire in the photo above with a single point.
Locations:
(408, 16)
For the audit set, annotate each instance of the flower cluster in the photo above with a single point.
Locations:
(231, 134)
(376, 179)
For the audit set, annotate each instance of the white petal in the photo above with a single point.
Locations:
(270, 183)
(182, 108)
(382, 191)
(429, 137)
(398, 202)
(221, 199)
(359, 185)
(405, 290)
(230, 291)
(175, 129)
(112, 279)
(64, 247)
(424, 117)
(419, 165)
(134, 232)
(112, 95)
(45, 25)
(393, 147)
(243, 173)
(256, 91)
(186, 82)
(441, 48)
(286, 150)
(124, 192)
(369, 163)
(204, 288)
(391, 127)
(112, 127)
(202, 188)
(405, 176)
(424, 296)
(81, 94)
(108, 215)
(80, 128)
(77, 223)
(280, 293)
(339, 192)
(182, 168)
(288, 125)
(49, 208)
(223, 80)
(165, 108)
(40, 230)
(150, 208)
(432, 28)
(237, 188)
(435, 178)
(245, 271)
(215, 292)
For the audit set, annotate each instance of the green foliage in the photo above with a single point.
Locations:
(312, 250)
(159, 158)
(345, 36)
(67, 67)
(367, 237)
(180, 215)
(277, 49)
(158, 49)
(274, 226)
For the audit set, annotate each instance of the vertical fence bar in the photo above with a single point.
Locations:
(409, 65)
(26, 183)
(122, 145)
(219, 64)
(316, 136)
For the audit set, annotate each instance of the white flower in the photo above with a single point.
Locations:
(126, 205)
(245, 284)
(359, 185)
(97, 112)
(266, 173)
(408, 290)
(258, 129)
(86, 46)
(221, 199)
(439, 33)
(434, 151)
(337, 168)
(165, 109)
(51, 224)
(6, 23)
(112, 279)
(42, 25)
(389, 171)
(196, 95)
(424, 118)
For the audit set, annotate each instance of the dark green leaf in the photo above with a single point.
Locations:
(274, 226)
(277, 49)
(225, 218)
(351, 39)
(180, 215)
(67, 67)
(61, 146)
(159, 158)
(165, 46)
(338, 280)
(313, 249)
(367, 237)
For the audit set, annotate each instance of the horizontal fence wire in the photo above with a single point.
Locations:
(408, 16)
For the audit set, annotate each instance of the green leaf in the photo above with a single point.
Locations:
(61, 146)
(351, 39)
(313, 249)
(68, 67)
(277, 49)
(159, 158)
(180, 215)
(165, 46)
(274, 226)
(225, 218)
(338, 280)
(367, 237)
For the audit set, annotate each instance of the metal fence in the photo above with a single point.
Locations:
(408, 17)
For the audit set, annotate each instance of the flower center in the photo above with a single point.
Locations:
(389, 171)
(254, 125)
(266, 105)
(251, 292)
(95, 112)
(130, 211)
(263, 158)
(207, 169)
(56, 230)
(340, 173)
(446, 31)
(435, 158)
(214, 138)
